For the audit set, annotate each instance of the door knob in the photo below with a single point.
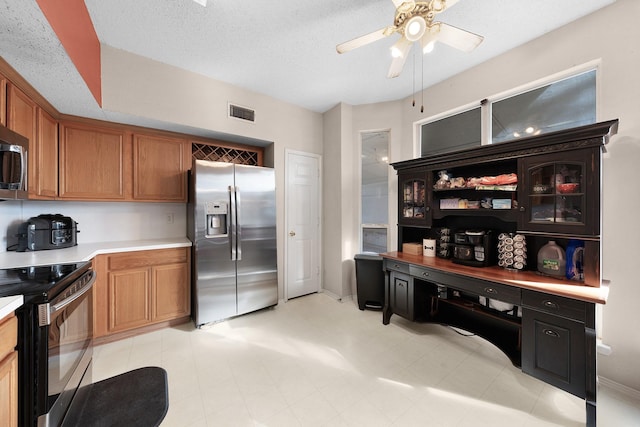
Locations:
(292, 233)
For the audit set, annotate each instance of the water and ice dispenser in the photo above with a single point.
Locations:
(217, 220)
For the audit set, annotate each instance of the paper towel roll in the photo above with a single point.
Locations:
(428, 247)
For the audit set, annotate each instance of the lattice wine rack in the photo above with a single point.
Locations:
(224, 154)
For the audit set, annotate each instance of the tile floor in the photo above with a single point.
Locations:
(314, 361)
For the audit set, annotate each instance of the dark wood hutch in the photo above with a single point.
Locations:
(549, 325)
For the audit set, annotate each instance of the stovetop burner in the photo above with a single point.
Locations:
(37, 280)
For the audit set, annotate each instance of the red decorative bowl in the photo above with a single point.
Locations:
(568, 187)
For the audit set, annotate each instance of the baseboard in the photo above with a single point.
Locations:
(628, 391)
(331, 294)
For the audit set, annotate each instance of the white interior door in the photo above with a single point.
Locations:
(302, 218)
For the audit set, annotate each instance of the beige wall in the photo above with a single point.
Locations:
(149, 89)
(332, 203)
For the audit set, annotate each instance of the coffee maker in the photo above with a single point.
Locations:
(475, 248)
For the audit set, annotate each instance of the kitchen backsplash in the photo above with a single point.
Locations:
(100, 221)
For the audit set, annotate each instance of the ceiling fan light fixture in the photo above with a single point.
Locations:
(428, 40)
(401, 48)
(428, 48)
(415, 28)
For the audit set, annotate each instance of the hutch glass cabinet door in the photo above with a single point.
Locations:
(560, 194)
(413, 206)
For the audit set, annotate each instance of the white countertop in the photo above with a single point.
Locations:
(81, 252)
(9, 304)
(85, 252)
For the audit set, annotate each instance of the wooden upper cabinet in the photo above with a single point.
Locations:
(46, 153)
(25, 117)
(22, 118)
(160, 165)
(94, 162)
(3, 100)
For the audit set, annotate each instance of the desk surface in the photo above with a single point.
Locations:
(521, 279)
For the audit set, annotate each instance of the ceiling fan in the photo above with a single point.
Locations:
(414, 21)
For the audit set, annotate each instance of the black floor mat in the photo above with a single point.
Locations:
(137, 398)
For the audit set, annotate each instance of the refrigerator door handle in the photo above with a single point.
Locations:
(238, 226)
(232, 222)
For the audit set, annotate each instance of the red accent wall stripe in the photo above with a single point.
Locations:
(71, 22)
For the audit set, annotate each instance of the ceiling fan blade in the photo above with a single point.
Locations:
(364, 40)
(456, 37)
(400, 52)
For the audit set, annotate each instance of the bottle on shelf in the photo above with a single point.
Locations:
(551, 260)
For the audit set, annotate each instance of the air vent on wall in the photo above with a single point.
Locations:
(242, 113)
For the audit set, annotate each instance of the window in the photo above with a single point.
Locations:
(557, 104)
(451, 133)
(561, 105)
(374, 201)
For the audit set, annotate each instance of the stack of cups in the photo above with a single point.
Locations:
(512, 251)
(444, 241)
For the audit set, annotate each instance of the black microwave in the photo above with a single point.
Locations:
(13, 165)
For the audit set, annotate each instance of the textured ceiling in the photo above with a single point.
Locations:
(284, 48)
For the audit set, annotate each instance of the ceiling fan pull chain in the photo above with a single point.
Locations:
(413, 93)
(422, 84)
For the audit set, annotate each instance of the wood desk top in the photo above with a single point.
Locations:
(522, 279)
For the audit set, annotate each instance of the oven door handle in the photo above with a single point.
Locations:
(46, 311)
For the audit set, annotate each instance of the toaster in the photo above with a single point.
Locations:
(47, 231)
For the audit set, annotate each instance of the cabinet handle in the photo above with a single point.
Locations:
(425, 274)
(522, 209)
(550, 304)
(490, 291)
(427, 208)
(551, 333)
(396, 266)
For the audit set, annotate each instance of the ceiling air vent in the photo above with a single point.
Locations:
(242, 113)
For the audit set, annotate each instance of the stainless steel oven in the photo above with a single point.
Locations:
(55, 338)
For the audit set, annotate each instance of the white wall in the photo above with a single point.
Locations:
(100, 221)
(332, 203)
(609, 36)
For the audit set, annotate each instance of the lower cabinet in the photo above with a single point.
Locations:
(137, 289)
(8, 372)
(401, 296)
(554, 344)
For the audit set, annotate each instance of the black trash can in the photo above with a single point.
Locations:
(369, 281)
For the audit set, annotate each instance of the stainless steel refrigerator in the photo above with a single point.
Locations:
(231, 220)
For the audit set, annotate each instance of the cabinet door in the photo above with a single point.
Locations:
(8, 371)
(3, 100)
(159, 168)
(95, 163)
(129, 299)
(560, 193)
(46, 154)
(170, 295)
(401, 295)
(22, 118)
(414, 207)
(553, 350)
(9, 390)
